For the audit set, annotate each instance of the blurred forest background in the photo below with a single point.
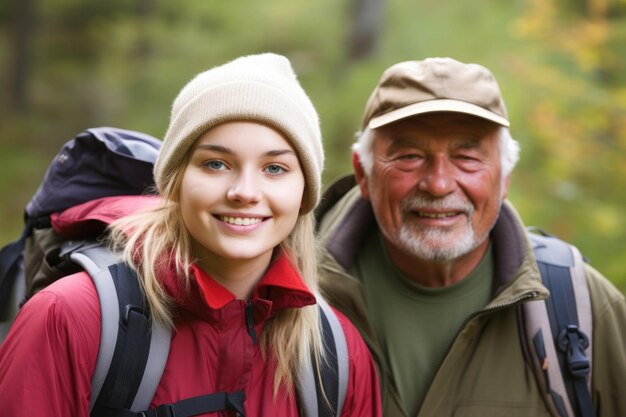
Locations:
(66, 65)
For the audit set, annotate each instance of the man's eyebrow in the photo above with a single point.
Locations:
(467, 143)
(401, 143)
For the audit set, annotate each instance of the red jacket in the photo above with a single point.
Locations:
(49, 356)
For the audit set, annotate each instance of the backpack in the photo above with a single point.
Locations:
(103, 162)
(557, 332)
(98, 162)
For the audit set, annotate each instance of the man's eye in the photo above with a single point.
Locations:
(406, 157)
(468, 159)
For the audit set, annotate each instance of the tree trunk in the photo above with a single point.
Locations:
(23, 32)
(144, 11)
(364, 27)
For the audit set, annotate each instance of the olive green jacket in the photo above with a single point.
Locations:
(484, 372)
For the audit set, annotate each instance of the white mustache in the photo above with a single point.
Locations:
(451, 203)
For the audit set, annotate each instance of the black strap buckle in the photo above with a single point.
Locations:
(217, 401)
(234, 402)
(130, 308)
(574, 342)
(165, 410)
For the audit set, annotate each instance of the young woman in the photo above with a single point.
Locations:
(226, 259)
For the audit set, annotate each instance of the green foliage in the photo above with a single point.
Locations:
(572, 179)
(560, 65)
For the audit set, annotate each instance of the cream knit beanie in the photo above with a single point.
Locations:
(260, 88)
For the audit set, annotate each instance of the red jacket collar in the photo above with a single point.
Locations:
(280, 287)
(281, 284)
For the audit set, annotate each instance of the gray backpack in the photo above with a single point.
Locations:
(558, 332)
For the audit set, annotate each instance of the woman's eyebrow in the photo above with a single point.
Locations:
(279, 152)
(216, 148)
(225, 150)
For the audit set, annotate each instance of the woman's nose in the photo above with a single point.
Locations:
(244, 189)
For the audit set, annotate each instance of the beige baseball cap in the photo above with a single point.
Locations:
(433, 85)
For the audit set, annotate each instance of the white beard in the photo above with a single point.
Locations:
(437, 244)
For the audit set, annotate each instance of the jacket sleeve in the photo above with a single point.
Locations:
(609, 346)
(48, 357)
(363, 392)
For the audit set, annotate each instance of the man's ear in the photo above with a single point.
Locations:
(505, 186)
(361, 177)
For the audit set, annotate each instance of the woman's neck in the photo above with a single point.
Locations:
(239, 276)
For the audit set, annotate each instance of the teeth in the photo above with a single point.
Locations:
(436, 215)
(240, 221)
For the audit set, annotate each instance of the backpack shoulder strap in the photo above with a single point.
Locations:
(559, 330)
(133, 348)
(324, 394)
(12, 283)
(12, 279)
(11, 272)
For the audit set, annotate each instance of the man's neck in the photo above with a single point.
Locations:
(434, 274)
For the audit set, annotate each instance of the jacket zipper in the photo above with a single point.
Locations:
(510, 303)
(527, 296)
(250, 321)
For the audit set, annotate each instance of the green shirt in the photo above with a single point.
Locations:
(416, 324)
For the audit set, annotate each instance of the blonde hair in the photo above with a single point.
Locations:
(291, 336)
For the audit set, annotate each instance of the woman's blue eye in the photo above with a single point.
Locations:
(215, 164)
(274, 169)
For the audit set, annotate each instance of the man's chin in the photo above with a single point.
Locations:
(444, 247)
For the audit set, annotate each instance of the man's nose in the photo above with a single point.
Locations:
(437, 178)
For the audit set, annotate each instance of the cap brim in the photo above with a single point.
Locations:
(436, 106)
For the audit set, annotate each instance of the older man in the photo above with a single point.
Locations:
(425, 255)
